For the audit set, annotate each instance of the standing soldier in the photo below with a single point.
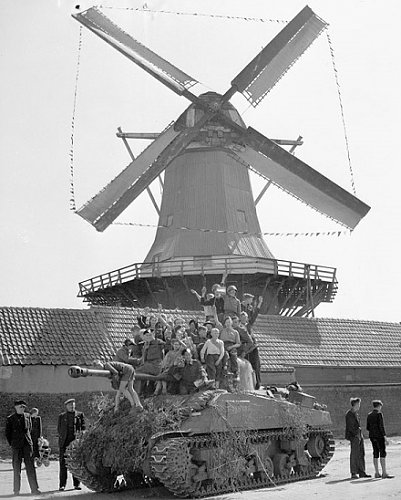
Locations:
(354, 435)
(70, 424)
(18, 434)
(377, 435)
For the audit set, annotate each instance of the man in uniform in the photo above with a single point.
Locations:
(18, 434)
(354, 435)
(70, 424)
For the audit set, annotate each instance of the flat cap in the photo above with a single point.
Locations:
(71, 400)
(19, 402)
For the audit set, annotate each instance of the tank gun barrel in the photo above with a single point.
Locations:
(79, 371)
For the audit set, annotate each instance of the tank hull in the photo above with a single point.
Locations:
(207, 443)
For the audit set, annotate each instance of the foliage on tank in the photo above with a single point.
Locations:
(105, 450)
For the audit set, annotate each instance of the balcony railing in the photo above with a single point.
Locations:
(204, 266)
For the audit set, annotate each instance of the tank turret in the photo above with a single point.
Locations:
(206, 443)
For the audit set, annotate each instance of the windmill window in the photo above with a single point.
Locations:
(169, 220)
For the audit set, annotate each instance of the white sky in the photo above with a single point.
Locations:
(46, 249)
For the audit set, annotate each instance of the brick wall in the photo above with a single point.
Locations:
(50, 406)
(337, 401)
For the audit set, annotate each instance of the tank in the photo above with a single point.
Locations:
(206, 443)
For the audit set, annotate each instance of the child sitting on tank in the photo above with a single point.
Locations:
(191, 376)
(171, 361)
(122, 381)
(181, 334)
(203, 337)
(152, 357)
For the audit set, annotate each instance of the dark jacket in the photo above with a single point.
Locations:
(218, 302)
(375, 425)
(18, 430)
(79, 425)
(252, 311)
(352, 425)
(122, 355)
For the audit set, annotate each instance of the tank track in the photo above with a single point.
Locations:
(94, 483)
(171, 463)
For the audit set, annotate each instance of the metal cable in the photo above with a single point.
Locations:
(72, 189)
(342, 111)
(144, 8)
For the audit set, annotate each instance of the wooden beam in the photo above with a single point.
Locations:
(152, 198)
(151, 293)
(154, 135)
(270, 306)
(298, 142)
(289, 295)
(262, 192)
(136, 135)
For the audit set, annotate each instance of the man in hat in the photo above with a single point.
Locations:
(377, 436)
(18, 434)
(70, 424)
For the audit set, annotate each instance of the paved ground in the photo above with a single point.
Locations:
(334, 484)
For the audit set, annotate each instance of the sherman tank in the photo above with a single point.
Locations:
(206, 443)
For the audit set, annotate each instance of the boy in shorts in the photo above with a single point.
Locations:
(125, 375)
(377, 435)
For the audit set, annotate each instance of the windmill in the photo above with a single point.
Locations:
(207, 218)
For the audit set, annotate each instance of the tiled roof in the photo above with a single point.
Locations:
(327, 342)
(30, 336)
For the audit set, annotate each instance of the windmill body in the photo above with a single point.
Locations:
(208, 224)
(207, 191)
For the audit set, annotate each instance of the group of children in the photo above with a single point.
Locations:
(178, 358)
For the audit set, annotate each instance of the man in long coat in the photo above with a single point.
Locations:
(18, 434)
(70, 424)
(354, 435)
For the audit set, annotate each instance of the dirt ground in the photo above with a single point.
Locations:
(333, 484)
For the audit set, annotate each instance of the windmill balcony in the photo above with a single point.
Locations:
(288, 288)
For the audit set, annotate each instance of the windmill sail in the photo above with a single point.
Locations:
(162, 70)
(300, 180)
(270, 65)
(96, 211)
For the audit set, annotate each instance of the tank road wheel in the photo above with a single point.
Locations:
(172, 465)
(281, 465)
(304, 468)
(316, 446)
